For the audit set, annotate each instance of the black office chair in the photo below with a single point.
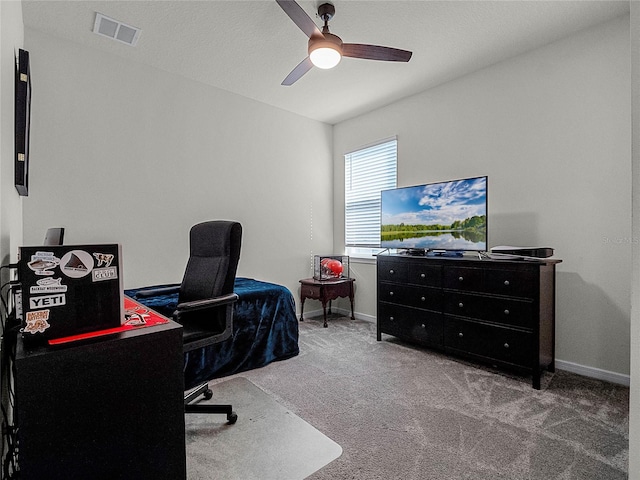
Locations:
(54, 236)
(206, 298)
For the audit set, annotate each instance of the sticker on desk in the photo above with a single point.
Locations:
(42, 263)
(37, 322)
(136, 316)
(76, 264)
(101, 274)
(48, 285)
(45, 301)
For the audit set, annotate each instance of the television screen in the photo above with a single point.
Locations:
(438, 216)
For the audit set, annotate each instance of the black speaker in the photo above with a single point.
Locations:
(537, 252)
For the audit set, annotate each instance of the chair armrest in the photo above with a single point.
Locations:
(204, 304)
(158, 291)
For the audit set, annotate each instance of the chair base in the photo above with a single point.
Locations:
(205, 391)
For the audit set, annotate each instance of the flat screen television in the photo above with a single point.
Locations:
(449, 216)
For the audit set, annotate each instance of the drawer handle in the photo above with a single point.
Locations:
(391, 319)
(461, 278)
(391, 294)
(422, 275)
(461, 305)
(391, 272)
(423, 299)
(506, 312)
(423, 326)
(506, 282)
(460, 334)
(506, 345)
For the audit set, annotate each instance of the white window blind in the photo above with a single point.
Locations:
(367, 172)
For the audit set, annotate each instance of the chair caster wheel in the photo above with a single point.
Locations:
(208, 393)
(232, 418)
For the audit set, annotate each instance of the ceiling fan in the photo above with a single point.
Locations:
(326, 49)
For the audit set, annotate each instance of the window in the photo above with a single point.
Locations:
(367, 172)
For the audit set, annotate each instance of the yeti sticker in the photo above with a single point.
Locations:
(47, 301)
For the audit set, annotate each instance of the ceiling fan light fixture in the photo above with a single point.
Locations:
(325, 57)
(325, 51)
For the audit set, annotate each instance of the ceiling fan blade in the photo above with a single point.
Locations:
(299, 17)
(375, 52)
(303, 67)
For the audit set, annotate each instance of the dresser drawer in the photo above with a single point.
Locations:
(490, 341)
(463, 278)
(392, 271)
(421, 326)
(429, 298)
(508, 282)
(515, 283)
(422, 274)
(507, 311)
(310, 291)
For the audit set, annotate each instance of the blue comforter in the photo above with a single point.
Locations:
(265, 328)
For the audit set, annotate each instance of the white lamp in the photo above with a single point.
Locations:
(325, 57)
(325, 52)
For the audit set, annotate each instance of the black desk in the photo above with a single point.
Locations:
(109, 408)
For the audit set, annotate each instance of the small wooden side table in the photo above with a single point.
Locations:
(325, 291)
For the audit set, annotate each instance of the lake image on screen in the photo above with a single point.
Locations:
(447, 216)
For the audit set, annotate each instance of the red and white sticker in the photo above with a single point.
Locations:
(37, 322)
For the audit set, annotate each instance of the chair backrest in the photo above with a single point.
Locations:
(213, 260)
(54, 236)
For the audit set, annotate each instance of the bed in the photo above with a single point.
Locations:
(265, 329)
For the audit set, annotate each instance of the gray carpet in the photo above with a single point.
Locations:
(401, 412)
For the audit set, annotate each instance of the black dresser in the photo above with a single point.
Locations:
(500, 312)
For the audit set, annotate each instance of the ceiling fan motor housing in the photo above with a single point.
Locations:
(326, 11)
(327, 40)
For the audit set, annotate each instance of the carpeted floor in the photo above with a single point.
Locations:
(401, 412)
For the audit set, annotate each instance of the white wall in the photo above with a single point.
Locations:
(634, 398)
(551, 129)
(11, 39)
(125, 153)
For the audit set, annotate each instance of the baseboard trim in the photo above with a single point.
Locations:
(358, 315)
(341, 311)
(594, 372)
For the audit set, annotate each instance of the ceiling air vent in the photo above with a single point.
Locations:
(116, 30)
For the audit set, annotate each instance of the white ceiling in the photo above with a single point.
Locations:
(249, 46)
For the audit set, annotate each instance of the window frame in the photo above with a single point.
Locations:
(385, 155)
